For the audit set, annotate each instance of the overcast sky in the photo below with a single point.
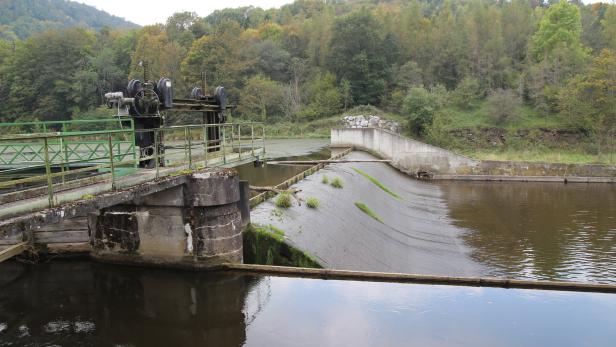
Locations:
(145, 12)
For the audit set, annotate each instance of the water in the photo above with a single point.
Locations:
(283, 149)
(79, 303)
(538, 230)
(506, 229)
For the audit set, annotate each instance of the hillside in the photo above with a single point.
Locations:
(22, 18)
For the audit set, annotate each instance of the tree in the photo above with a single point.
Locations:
(589, 100)
(261, 98)
(609, 26)
(468, 93)
(558, 54)
(220, 54)
(324, 98)
(420, 105)
(356, 55)
(46, 75)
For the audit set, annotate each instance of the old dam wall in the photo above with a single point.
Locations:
(423, 160)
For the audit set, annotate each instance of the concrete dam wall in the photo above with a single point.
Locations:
(420, 159)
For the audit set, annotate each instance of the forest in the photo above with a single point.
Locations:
(518, 79)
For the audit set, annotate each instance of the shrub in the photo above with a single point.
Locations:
(325, 179)
(337, 182)
(468, 93)
(503, 105)
(284, 200)
(312, 203)
(419, 106)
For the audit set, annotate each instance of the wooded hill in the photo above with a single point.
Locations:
(508, 69)
(22, 18)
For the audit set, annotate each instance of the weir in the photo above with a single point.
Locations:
(422, 160)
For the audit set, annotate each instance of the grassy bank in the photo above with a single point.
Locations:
(530, 136)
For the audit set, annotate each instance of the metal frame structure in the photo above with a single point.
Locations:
(56, 160)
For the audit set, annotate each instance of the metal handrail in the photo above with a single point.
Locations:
(115, 152)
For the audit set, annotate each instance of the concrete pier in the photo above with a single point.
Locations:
(199, 221)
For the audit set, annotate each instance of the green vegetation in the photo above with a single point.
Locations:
(325, 179)
(378, 183)
(20, 19)
(312, 203)
(337, 183)
(87, 197)
(473, 76)
(284, 200)
(266, 245)
(365, 209)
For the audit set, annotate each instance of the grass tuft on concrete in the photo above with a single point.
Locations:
(325, 179)
(337, 183)
(365, 209)
(312, 203)
(284, 200)
(378, 184)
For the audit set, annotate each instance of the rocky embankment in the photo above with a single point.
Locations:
(370, 121)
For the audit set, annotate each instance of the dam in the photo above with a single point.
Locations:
(432, 227)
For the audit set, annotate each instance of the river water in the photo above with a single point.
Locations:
(89, 304)
(521, 230)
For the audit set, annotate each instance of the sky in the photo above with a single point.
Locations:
(144, 12)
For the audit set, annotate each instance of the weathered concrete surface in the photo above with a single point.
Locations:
(197, 221)
(416, 235)
(418, 159)
(406, 154)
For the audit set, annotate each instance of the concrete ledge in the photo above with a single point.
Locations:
(505, 178)
(422, 160)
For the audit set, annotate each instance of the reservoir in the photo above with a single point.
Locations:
(88, 304)
(518, 230)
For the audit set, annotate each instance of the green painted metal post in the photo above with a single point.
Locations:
(111, 164)
(263, 138)
(232, 138)
(252, 138)
(156, 153)
(189, 137)
(239, 140)
(224, 137)
(48, 172)
(205, 144)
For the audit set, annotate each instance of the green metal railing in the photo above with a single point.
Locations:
(51, 162)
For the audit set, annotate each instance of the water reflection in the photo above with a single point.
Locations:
(74, 303)
(67, 304)
(538, 230)
(271, 175)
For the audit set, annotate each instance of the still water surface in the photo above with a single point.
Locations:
(85, 304)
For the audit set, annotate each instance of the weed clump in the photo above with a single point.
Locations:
(284, 200)
(312, 203)
(337, 183)
(378, 184)
(325, 179)
(365, 209)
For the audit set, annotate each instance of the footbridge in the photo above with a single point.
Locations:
(68, 182)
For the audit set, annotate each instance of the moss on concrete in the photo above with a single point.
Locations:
(365, 209)
(266, 245)
(378, 184)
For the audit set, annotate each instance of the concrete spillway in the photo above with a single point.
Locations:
(415, 235)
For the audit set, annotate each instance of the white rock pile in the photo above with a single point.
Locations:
(370, 121)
